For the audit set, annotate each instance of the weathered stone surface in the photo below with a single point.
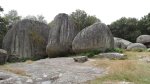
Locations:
(112, 56)
(80, 59)
(61, 35)
(121, 43)
(136, 46)
(144, 39)
(3, 56)
(27, 39)
(97, 36)
(50, 71)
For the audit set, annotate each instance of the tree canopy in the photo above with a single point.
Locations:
(39, 18)
(126, 28)
(3, 27)
(82, 19)
(12, 17)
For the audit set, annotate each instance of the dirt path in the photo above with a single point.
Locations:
(49, 71)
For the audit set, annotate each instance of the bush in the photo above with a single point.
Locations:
(119, 50)
(90, 53)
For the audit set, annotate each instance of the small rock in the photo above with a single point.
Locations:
(112, 56)
(29, 81)
(38, 79)
(46, 82)
(81, 59)
(44, 75)
(145, 59)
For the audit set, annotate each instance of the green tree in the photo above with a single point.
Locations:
(82, 19)
(39, 18)
(3, 27)
(126, 28)
(12, 17)
(144, 24)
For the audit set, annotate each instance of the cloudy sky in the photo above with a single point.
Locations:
(106, 10)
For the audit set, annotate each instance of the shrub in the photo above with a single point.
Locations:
(90, 53)
(119, 50)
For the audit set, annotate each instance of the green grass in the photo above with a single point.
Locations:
(130, 70)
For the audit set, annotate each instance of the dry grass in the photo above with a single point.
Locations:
(14, 70)
(130, 70)
(29, 62)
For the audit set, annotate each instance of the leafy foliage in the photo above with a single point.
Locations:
(144, 24)
(39, 18)
(12, 17)
(82, 19)
(119, 50)
(90, 53)
(3, 28)
(126, 28)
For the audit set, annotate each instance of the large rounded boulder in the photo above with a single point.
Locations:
(144, 39)
(121, 43)
(27, 39)
(95, 37)
(61, 35)
(136, 46)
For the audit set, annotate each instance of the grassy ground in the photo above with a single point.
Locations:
(130, 70)
(16, 70)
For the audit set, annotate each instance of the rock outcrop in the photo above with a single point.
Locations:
(80, 59)
(61, 35)
(112, 55)
(121, 43)
(95, 37)
(27, 39)
(136, 46)
(144, 39)
(3, 56)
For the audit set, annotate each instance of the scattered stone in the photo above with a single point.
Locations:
(81, 59)
(121, 43)
(145, 59)
(44, 75)
(46, 82)
(95, 37)
(118, 56)
(3, 56)
(144, 39)
(123, 82)
(29, 81)
(136, 46)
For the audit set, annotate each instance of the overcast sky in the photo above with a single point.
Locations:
(106, 10)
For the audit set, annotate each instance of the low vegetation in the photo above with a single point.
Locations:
(18, 71)
(95, 52)
(131, 70)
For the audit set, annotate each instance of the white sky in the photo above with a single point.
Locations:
(106, 10)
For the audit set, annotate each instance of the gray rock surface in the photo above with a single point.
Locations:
(111, 56)
(61, 35)
(97, 36)
(121, 43)
(50, 71)
(3, 56)
(80, 59)
(136, 46)
(27, 39)
(144, 39)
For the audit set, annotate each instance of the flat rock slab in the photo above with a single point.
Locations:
(114, 55)
(51, 71)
